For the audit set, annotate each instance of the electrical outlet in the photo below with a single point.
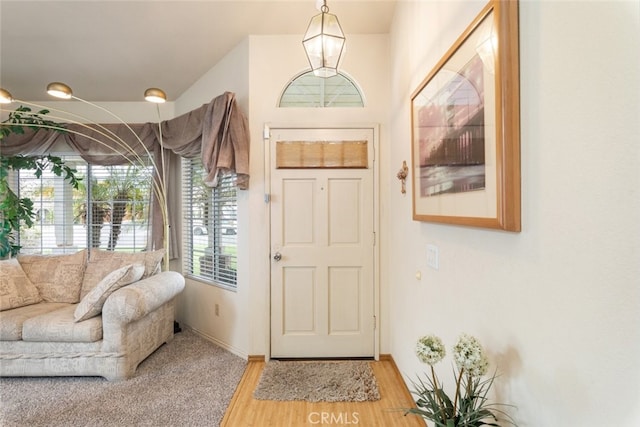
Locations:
(433, 256)
(217, 310)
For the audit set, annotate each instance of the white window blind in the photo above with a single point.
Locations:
(109, 210)
(210, 227)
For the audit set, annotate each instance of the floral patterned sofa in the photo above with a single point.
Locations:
(66, 315)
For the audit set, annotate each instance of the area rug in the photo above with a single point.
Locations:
(318, 381)
(187, 382)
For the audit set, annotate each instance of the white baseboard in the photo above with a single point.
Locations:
(217, 342)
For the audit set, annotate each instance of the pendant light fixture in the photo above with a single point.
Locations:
(324, 43)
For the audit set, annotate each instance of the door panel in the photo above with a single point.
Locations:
(298, 294)
(322, 281)
(298, 198)
(345, 211)
(345, 288)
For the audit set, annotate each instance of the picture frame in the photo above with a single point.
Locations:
(465, 128)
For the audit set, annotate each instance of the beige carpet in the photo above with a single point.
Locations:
(188, 382)
(318, 381)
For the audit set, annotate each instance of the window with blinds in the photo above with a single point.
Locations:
(109, 210)
(210, 227)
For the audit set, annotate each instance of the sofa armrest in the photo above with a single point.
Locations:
(135, 301)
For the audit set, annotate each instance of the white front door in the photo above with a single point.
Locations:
(322, 238)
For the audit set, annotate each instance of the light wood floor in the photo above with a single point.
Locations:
(244, 410)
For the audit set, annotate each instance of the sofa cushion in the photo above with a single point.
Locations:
(57, 277)
(91, 304)
(103, 262)
(60, 326)
(11, 321)
(16, 290)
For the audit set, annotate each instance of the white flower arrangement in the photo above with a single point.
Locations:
(430, 350)
(470, 407)
(469, 355)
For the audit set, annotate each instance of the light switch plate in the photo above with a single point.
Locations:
(433, 256)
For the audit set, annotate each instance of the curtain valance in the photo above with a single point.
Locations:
(217, 131)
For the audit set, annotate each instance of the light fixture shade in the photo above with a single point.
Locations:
(59, 90)
(5, 97)
(324, 43)
(153, 94)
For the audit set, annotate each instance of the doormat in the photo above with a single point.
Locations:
(317, 381)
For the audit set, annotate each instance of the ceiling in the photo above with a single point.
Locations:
(113, 50)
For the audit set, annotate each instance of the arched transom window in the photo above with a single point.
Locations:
(309, 91)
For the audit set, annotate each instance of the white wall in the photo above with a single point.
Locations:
(261, 67)
(230, 329)
(275, 60)
(231, 74)
(557, 305)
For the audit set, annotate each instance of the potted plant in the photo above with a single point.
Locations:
(470, 406)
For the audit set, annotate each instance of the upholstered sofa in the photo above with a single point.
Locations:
(79, 315)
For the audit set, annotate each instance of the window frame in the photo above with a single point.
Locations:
(321, 102)
(57, 212)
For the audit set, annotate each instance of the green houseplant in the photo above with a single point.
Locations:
(15, 211)
(470, 406)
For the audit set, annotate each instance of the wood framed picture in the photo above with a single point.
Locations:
(466, 127)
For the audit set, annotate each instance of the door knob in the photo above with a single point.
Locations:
(277, 256)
